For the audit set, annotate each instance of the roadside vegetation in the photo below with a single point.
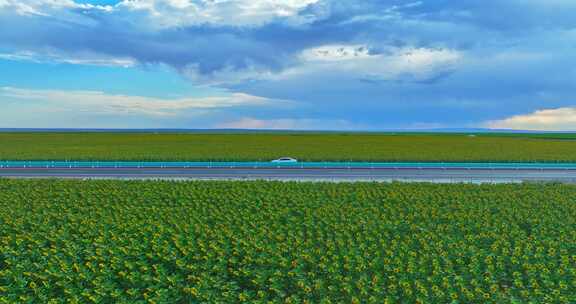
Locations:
(64, 241)
(304, 146)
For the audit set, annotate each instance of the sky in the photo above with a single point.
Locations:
(288, 64)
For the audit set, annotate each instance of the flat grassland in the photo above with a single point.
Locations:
(65, 241)
(304, 146)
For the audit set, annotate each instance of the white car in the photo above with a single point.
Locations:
(284, 160)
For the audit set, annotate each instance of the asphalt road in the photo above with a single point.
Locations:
(383, 174)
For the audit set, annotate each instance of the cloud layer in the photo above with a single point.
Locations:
(542, 120)
(380, 64)
(96, 102)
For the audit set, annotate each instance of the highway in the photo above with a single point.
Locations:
(414, 174)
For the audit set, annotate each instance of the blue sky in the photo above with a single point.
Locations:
(290, 64)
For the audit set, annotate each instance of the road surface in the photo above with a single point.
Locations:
(478, 175)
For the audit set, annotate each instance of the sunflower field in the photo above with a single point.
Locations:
(101, 241)
(432, 147)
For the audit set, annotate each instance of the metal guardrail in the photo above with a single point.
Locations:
(299, 165)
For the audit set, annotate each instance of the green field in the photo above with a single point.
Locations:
(270, 242)
(304, 146)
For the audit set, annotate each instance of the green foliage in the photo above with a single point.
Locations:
(271, 242)
(304, 146)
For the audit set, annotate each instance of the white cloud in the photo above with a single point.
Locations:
(393, 12)
(289, 124)
(365, 63)
(100, 102)
(159, 14)
(344, 63)
(336, 53)
(82, 58)
(47, 7)
(252, 123)
(177, 13)
(561, 119)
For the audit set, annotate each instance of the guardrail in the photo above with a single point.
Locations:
(298, 165)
